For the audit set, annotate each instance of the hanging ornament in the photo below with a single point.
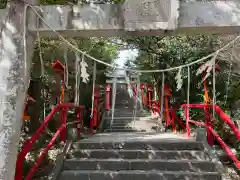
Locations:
(179, 80)
(84, 73)
(204, 67)
(207, 67)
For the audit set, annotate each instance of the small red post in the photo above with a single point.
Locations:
(79, 117)
(63, 121)
(167, 111)
(149, 96)
(95, 113)
(142, 92)
(207, 118)
(107, 97)
(95, 107)
(186, 114)
(173, 112)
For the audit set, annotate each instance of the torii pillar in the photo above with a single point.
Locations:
(14, 82)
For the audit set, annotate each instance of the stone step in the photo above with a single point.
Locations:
(139, 154)
(121, 120)
(120, 127)
(121, 123)
(137, 175)
(120, 130)
(166, 144)
(139, 164)
(128, 114)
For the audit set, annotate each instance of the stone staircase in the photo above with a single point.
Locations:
(124, 153)
(142, 156)
(125, 114)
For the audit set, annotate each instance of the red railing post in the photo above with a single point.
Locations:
(149, 96)
(27, 146)
(43, 153)
(107, 97)
(167, 110)
(95, 108)
(142, 87)
(173, 112)
(79, 118)
(207, 119)
(186, 114)
(63, 134)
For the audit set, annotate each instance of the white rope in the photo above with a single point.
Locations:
(139, 92)
(188, 89)
(214, 84)
(228, 84)
(42, 68)
(77, 78)
(130, 70)
(113, 100)
(93, 88)
(66, 64)
(40, 50)
(162, 96)
(136, 101)
(26, 63)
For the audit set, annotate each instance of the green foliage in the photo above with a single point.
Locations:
(167, 52)
(3, 4)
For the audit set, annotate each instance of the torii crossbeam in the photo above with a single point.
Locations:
(138, 17)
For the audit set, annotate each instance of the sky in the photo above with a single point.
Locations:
(125, 55)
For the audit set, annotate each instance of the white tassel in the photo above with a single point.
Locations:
(179, 80)
(84, 73)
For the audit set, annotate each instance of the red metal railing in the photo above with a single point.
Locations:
(210, 129)
(27, 146)
(35, 167)
(172, 119)
(219, 111)
(221, 142)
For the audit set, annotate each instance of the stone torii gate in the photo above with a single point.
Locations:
(134, 17)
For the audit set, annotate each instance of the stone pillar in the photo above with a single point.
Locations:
(14, 82)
